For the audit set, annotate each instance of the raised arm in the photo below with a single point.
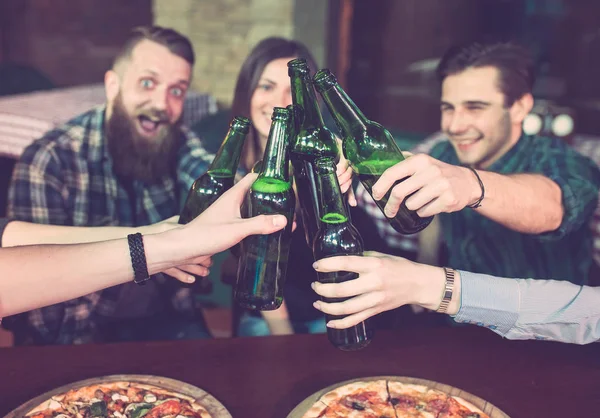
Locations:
(55, 271)
(514, 308)
(527, 309)
(25, 233)
(560, 197)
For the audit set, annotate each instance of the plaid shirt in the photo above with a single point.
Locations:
(478, 244)
(66, 178)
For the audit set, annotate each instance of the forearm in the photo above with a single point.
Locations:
(24, 233)
(429, 243)
(528, 203)
(36, 276)
(430, 286)
(278, 321)
(531, 309)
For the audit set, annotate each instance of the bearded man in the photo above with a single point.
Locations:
(127, 163)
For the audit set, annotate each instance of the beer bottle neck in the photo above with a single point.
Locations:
(303, 95)
(275, 160)
(293, 110)
(347, 115)
(333, 209)
(228, 157)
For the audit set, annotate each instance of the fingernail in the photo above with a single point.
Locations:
(317, 305)
(190, 279)
(313, 285)
(388, 213)
(376, 195)
(315, 265)
(330, 324)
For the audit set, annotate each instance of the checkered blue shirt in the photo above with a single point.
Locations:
(66, 178)
(480, 245)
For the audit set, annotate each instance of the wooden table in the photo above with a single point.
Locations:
(267, 377)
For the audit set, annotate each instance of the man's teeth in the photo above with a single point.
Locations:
(148, 124)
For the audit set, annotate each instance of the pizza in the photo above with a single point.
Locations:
(391, 399)
(120, 400)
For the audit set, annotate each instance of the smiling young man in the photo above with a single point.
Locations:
(510, 205)
(127, 163)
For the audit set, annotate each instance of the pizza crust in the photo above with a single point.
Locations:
(49, 404)
(470, 406)
(316, 410)
(379, 386)
(407, 388)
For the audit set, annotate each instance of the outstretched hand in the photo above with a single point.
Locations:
(220, 227)
(385, 282)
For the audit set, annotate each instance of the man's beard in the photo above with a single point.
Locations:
(135, 157)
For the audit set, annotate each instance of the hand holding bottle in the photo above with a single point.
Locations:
(189, 248)
(344, 175)
(368, 146)
(435, 186)
(221, 225)
(385, 282)
(264, 258)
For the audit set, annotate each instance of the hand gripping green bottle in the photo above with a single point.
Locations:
(368, 146)
(337, 236)
(263, 262)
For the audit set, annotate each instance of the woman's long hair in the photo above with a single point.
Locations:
(262, 54)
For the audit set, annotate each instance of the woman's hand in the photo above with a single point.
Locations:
(218, 228)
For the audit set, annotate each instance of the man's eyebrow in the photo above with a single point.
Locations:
(156, 74)
(477, 103)
(147, 70)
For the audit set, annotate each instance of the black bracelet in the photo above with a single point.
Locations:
(478, 202)
(138, 258)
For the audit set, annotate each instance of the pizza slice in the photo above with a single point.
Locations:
(457, 407)
(359, 399)
(415, 401)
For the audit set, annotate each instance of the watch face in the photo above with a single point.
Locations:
(448, 290)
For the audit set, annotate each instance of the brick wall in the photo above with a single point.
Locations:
(223, 33)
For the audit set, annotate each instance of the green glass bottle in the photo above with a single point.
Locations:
(337, 236)
(368, 146)
(220, 174)
(256, 167)
(263, 263)
(311, 141)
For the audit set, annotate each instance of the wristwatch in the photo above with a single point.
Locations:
(448, 290)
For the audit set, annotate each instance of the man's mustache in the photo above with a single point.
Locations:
(155, 115)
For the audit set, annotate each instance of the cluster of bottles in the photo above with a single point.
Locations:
(298, 135)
